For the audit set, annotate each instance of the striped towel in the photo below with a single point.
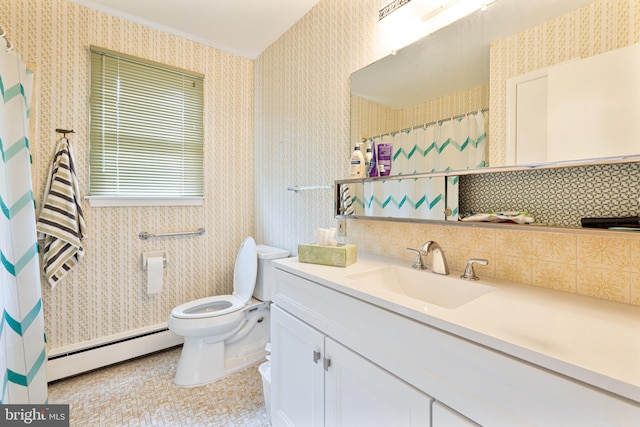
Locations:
(61, 220)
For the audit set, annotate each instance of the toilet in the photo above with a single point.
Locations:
(226, 333)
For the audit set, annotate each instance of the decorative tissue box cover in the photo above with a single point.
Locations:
(337, 256)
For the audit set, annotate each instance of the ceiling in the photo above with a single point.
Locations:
(242, 27)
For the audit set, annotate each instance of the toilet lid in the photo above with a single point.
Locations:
(244, 274)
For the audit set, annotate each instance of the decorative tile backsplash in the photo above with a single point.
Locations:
(558, 197)
(600, 264)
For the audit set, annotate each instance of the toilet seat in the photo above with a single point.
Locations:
(244, 282)
(218, 305)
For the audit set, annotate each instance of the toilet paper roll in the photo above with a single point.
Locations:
(155, 272)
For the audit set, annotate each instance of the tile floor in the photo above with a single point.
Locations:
(141, 393)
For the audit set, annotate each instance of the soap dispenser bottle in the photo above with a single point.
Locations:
(357, 163)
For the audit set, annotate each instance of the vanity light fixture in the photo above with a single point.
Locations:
(405, 21)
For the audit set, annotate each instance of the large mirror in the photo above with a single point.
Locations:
(447, 75)
(463, 71)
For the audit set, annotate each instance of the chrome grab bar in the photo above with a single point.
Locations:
(144, 235)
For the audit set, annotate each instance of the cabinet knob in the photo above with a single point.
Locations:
(316, 356)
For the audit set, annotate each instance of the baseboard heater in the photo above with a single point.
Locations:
(83, 357)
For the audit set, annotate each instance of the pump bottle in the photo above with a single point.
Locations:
(357, 163)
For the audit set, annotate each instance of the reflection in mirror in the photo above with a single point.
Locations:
(406, 198)
(453, 144)
(568, 111)
(443, 75)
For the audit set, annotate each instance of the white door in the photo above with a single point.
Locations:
(527, 118)
(360, 393)
(297, 375)
(443, 416)
(531, 118)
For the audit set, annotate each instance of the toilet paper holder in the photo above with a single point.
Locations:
(146, 255)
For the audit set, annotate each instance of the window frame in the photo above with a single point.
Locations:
(101, 200)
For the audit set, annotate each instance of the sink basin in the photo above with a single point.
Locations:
(444, 291)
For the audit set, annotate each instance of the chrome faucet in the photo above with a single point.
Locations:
(439, 262)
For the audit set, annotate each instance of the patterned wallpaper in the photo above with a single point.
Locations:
(302, 137)
(288, 110)
(106, 294)
(302, 116)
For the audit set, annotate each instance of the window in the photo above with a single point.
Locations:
(146, 131)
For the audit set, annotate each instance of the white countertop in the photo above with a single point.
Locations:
(591, 340)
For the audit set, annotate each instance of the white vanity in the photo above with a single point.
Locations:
(350, 348)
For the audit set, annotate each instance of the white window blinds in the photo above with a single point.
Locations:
(146, 131)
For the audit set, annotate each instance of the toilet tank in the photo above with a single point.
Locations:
(264, 277)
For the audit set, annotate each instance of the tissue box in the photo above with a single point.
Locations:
(337, 256)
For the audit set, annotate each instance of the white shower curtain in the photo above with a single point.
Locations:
(454, 144)
(22, 341)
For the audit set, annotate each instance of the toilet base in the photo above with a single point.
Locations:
(202, 362)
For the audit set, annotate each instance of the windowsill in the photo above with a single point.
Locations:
(107, 201)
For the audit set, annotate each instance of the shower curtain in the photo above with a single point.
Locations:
(22, 340)
(455, 144)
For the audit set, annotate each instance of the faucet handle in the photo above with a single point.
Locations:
(469, 272)
(418, 264)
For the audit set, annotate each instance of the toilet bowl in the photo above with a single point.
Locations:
(225, 333)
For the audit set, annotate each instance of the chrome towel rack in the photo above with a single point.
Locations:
(297, 188)
(144, 235)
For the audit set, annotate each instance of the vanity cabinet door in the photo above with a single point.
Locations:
(443, 416)
(316, 381)
(297, 374)
(360, 393)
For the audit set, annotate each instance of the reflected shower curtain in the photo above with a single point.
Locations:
(22, 341)
(448, 145)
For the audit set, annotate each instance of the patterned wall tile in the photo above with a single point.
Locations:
(558, 197)
(635, 289)
(555, 247)
(554, 275)
(514, 243)
(514, 269)
(635, 256)
(604, 252)
(613, 285)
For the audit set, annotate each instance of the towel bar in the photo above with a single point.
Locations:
(144, 235)
(309, 187)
